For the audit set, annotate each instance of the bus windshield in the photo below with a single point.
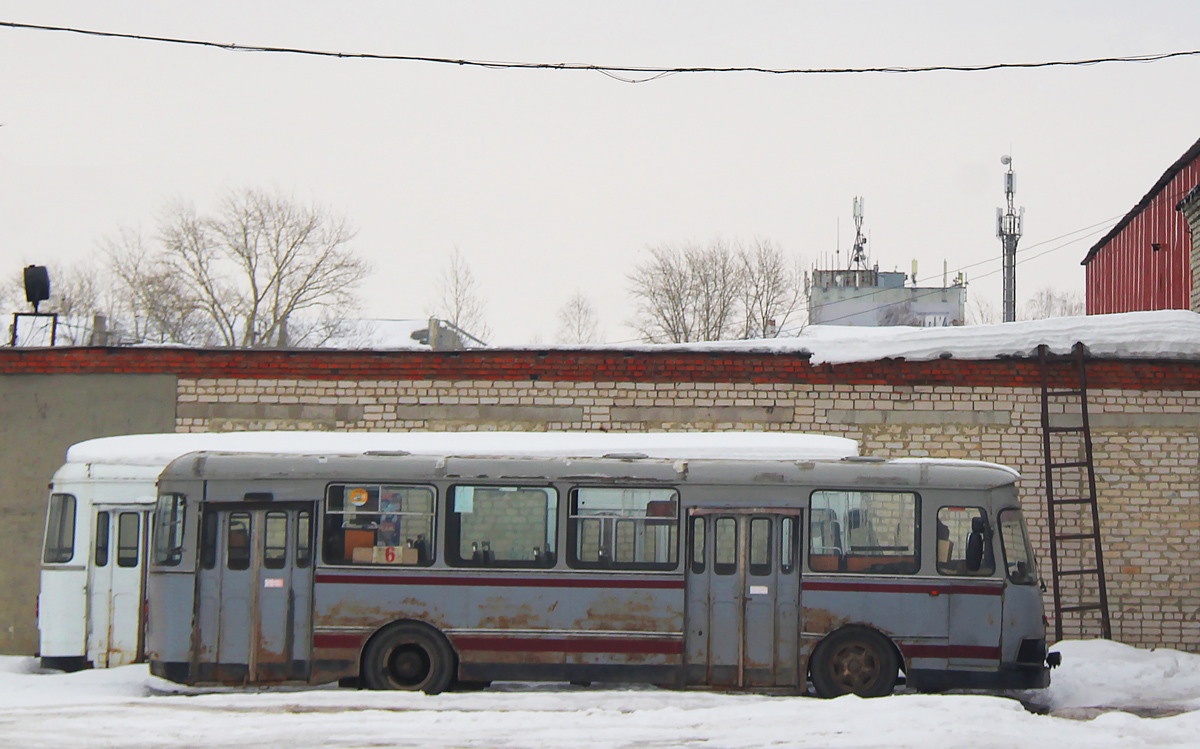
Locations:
(1018, 555)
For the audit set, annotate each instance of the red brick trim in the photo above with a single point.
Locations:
(583, 366)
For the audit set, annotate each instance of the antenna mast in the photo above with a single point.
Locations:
(858, 256)
(1008, 229)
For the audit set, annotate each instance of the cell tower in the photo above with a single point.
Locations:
(1008, 229)
(858, 256)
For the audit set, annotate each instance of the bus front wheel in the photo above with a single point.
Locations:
(854, 661)
(408, 656)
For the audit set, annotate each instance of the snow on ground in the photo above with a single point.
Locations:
(125, 707)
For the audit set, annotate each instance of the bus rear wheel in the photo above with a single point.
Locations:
(408, 656)
(854, 661)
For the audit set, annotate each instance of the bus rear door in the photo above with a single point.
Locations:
(254, 593)
(743, 597)
(117, 585)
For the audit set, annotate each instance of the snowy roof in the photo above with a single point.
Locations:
(161, 449)
(1165, 334)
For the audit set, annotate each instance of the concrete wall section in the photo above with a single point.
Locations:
(40, 417)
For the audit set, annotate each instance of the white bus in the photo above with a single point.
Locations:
(91, 605)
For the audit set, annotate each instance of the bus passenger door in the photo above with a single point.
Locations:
(116, 590)
(254, 593)
(743, 598)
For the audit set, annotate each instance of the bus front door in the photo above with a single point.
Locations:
(117, 585)
(254, 593)
(743, 598)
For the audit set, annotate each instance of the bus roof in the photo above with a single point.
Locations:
(160, 449)
(846, 474)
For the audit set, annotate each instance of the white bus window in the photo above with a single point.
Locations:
(237, 544)
(60, 529)
(129, 528)
(502, 526)
(378, 524)
(626, 528)
(866, 532)
(1018, 555)
(101, 539)
(275, 541)
(964, 546)
(169, 516)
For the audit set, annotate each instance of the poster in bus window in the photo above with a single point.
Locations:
(361, 509)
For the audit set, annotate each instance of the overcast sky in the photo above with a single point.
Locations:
(553, 182)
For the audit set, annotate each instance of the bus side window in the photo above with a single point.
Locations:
(237, 546)
(208, 540)
(629, 528)
(787, 545)
(726, 543)
(869, 532)
(60, 529)
(698, 543)
(957, 529)
(502, 526)
(102, 532)
(303, 539)
(275, 541)
(760, 546)
(378, 524)
(128, 531)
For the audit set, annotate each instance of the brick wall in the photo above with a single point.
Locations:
(1145, 423)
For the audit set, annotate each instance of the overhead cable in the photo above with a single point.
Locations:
(619, 72)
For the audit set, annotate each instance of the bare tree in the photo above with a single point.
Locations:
(773, 289)
(981, 311)
(693, 293)
(263, 270)
(687, 293)
(1049, 302)
(459, 302)
(577, 321)
(153, 303)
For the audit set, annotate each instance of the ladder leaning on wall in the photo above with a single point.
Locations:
(1076, 554)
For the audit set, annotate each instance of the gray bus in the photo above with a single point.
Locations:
(422, 572)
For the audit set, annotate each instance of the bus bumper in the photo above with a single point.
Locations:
(1007, 677)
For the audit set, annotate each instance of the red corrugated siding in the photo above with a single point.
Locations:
(1128, 275)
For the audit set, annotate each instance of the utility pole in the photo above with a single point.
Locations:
(1008, 229)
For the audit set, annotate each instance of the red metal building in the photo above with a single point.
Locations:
(1142, 263)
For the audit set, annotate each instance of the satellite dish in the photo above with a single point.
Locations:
(1006, 160)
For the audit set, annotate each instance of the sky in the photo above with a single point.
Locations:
(552, 183)
(1104, 695)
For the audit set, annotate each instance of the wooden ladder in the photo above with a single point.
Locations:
(1073, 521)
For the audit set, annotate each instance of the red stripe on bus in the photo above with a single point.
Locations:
(497, 582)
(979, 652)
(569, 644)
(872, 587)
(337, 641)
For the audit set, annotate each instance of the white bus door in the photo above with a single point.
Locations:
(743, 598)
(254, 593)
(117, 585)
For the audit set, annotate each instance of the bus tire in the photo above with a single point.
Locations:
(854, 660)
(408, 656)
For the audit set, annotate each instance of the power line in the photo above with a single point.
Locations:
(619, 72)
